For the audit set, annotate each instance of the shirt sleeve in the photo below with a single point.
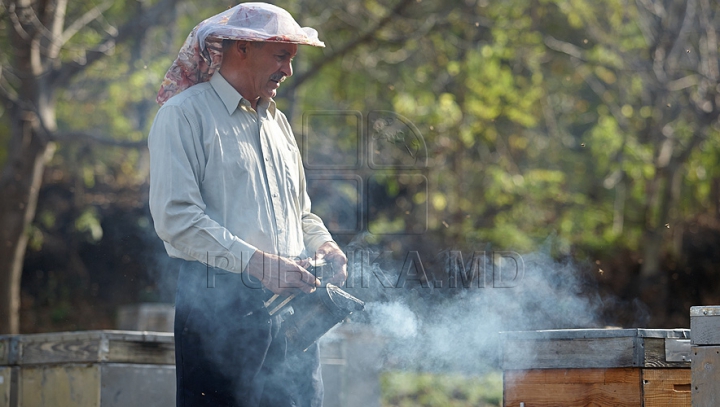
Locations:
(177, 162)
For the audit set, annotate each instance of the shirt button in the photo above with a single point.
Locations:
(267, 158)
(275, 195)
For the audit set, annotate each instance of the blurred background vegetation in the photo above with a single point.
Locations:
(589, 124)
(406, 389)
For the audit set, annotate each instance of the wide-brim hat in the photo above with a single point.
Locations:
(201, 54)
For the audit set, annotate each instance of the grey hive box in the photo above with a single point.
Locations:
(596, 367)
(87, 369)
(705, 326)
(146, 317)
(137, 369)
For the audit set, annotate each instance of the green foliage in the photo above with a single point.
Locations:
(528, 138)
(542, 118)
(525, 140)
(89, 223)
(405, 389)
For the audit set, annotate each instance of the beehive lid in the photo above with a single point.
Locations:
(87, 347)
(705, 323)
(596, 348)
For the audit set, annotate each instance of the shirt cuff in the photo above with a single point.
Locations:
(314, 242)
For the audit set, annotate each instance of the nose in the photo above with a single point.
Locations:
(286, 69)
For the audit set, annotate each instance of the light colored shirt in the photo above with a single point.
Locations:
(226, 180)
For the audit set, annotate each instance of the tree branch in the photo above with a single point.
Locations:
(3, 11)
(350, 46)
(142, 20)
(654, 8)
(578, 53)
(682, 83)
(56, 27)
(17, 25)
(30, 16)
(678, 46)
(84, 20)
(600, 90)
(564, 47)
(710, 54)
(6, 98)
(6, 95)
(646, 23)
(50, 135)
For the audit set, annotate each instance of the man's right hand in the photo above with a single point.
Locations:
(280, 275)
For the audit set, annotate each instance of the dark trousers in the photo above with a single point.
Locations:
(230, 352)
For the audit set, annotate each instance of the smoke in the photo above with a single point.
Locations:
(394, 320)
(437, 326)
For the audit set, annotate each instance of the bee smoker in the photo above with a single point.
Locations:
(307, 317)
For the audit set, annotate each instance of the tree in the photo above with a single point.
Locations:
(580, 120)
(53, 44)
(44, 54)
(653, 70)
(594, 122)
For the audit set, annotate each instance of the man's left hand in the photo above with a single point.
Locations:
(331, 253)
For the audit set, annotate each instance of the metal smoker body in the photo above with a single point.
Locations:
(307, 317)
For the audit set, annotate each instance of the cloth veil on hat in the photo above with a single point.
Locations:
(201, 54)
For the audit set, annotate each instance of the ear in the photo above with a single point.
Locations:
(242, 48)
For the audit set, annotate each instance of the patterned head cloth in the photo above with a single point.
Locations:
(201, 54)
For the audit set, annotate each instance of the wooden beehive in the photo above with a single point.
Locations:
(705, 325)
(131, 369)
(87, 369)
(596, 367)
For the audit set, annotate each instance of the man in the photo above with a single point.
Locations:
(227, 195)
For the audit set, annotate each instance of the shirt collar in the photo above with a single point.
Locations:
(231, 98)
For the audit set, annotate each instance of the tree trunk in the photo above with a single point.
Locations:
(32, 116)
(19, 183)
(35, 31)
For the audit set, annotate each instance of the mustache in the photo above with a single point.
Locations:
(278, 77)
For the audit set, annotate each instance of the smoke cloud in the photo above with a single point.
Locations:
(440, 326)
